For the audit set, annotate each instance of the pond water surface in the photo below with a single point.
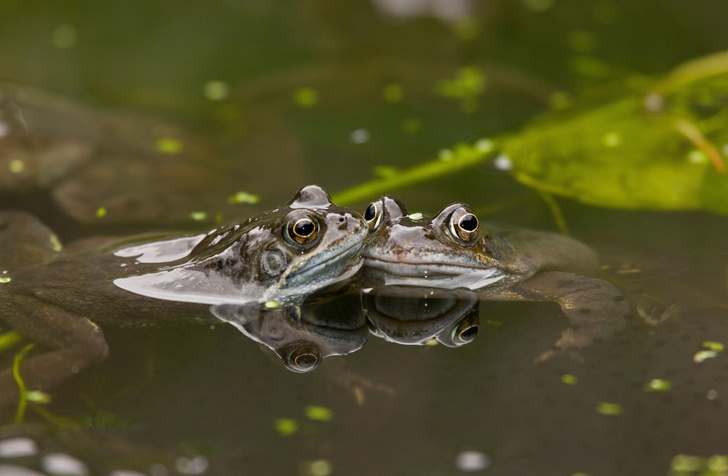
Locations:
(152, 116)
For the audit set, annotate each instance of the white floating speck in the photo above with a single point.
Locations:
(712, 394)
(359, 136)
(126, 472)
(12, 470)
(61, 463)
(4, 129)
(194, 466)
(320, 467)
(17, 447)
(472, 461)
(503, 162)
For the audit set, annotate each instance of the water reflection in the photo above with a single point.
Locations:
(338, 321)
(303, 335)
(417, 315)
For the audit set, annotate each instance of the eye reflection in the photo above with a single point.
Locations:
(466, 334)
(304, 357)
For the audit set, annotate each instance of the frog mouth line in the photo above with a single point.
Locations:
(423, 269)
(444, 276)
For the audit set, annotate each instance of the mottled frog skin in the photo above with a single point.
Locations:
(60, 300)
(453, 250)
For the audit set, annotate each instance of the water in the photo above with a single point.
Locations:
(323, 92)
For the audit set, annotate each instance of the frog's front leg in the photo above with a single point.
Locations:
(68, 343)
(596, 309)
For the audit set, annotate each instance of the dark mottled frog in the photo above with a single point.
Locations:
(59, 299)
(453, 250)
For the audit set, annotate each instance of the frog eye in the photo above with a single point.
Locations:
(373, 215)
(302, 230)
(464, 224)
(303, 358)
(465, 333)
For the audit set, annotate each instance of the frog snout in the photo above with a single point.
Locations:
(352, 224)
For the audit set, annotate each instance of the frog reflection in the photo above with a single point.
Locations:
(303, 335)
(414, 315)
(59, 300)
(453, 250)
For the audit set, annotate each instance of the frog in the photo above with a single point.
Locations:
(454, 250)
(61, 299)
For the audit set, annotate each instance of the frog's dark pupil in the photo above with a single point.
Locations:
(304, 228)
(469, 334)
(469, 222)
(371, 212)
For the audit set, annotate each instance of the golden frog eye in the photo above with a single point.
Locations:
(373, 215)
(464, 224)
(465, 332)
(304, 358)
(302, 230)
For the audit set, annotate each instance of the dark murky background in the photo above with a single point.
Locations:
(267, 96)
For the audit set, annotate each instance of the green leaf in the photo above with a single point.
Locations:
(661, 146)
(318, 413)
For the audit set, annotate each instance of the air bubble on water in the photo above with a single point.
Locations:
(503, 162)
(359, 136)
(192, 466)
(61, 463)
(472, 461)
(17, 447)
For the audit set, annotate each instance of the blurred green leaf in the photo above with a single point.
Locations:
(662, 146)
(638, 144)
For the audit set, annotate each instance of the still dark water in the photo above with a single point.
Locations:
(265, 97)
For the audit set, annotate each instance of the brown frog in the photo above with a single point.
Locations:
(453, 250)
(61, 300)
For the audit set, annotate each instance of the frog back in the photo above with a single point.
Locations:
(526, 252)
